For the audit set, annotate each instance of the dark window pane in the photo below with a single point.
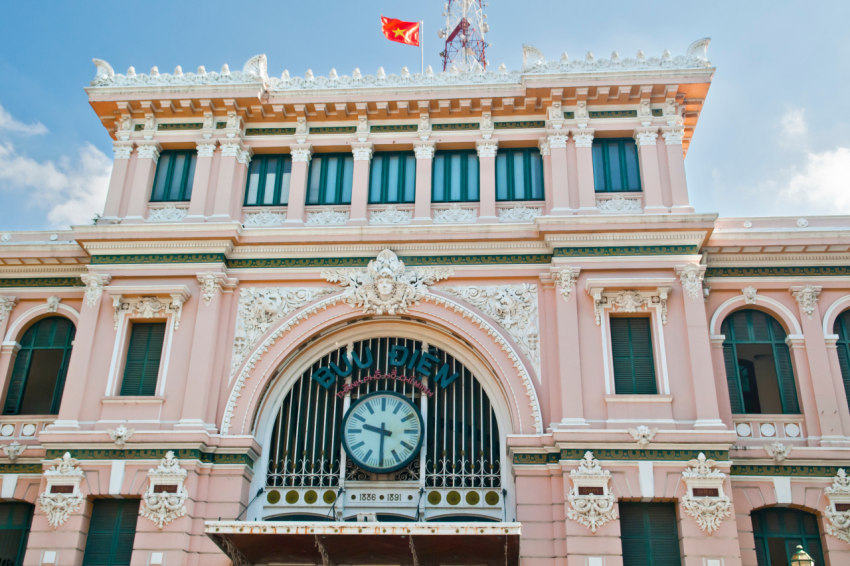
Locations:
(519, 176)
(377, 174)
(177, 172)
(536, 163)
(330, 180)
(347, 180)
(502, 176)
(615, 179)
(286, 177)
(253, 182)
(439, 181)
(270, 180)
(44, 371)
(161, 177)
(392, 178)
(410, 179)
(632, 172)
(315, 180)
(599, 168)
(455, 176)
(472, 177)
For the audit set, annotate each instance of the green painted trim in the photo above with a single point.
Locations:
(410, 261)
(657, 112)
(795, 471)
(139, 127)
(397, 128)
(614, 114)
(156, 454)
(625, 251)
(178, 127)
(287, 262)
(333, 130)
(42, 282)
(269, 131)
(631, 454)
(157, 258)
(817, 271)
(454, 127)
(519, 125)
(21, 468)
(220, 125)
(477, 259)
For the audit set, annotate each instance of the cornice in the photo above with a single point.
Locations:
(777, 259)
(687, 238)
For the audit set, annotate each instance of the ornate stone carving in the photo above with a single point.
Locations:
(385, 286)
(231, 148)
(565, 278)
(778, 451)
(455, 215)
(362, 151)
(424, 150)
(619, 204)
(120, 435)
(556, 112)
(644, 110)
(326, 217)
(301, 153)
(254, 71)
(519, 213)
(94, 287)
(673, 136)
(630, 301)
(169, 213)
(209, 121)
(591, 509)
(807, 298)
(390, 215)
(643, 435)
(260, 308)
(362, 128)
(543, 145)
(557, 139)
(147, 307)
(8, 303)
(162, 506)
(838, 522)
(645, 136)
(301, 127)
(150, 123)
(581, 110)
(148, 150)
(122, 150)
(264, 217)
(59, 506)
(487, 148)
(583, 138)
(691, 276)
(210, 283)
(670, 107)
(708, 511)
(424, 128)
(53, 303)
(802, 222)
(749, 295)
(206, 148)
(12, 451)
(232, 121)
(513, 307)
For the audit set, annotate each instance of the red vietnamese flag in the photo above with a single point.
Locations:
(402, 32)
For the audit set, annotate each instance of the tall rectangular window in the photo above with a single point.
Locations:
(455, 177)
(143, 357)
(112, 531)
(15, 524)
(331, 176)
(175, 175)
(615, 165)
(519, 174)
(393, 178)
(631, 346)
(268, 180)
(649, 534)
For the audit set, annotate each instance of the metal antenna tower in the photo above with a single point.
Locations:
(466, 25)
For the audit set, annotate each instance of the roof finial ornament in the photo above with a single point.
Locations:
(131, 72)
(202, 70)
(225, 70)
(154, 71)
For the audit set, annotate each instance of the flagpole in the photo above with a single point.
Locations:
(422, 45)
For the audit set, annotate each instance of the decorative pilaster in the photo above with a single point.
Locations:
(203, 174)
(556, 142)
(147, 157)
(424, 151)
(546, 155)
(673, 138)
(646, 138)
(487, 150)
(7, 303)
(583, 139)
(301, 153)
(360, 183)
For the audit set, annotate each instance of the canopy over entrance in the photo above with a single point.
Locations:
(337, 543)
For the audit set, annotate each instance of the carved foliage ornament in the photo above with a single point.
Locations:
(13, 450)
(619, 204)
(326, 217)
(8, 303)
(390, 215)
(807, 298)
(209, 285)
(265, 217)
(120, 435)
(455, 215)
(778, 451)
(162, 506)
(691, 276)
(94, 287)
(519, 213)
(169, 213)
(707, 511)
(591, 510)
(149, 307)
(643, 434)
(749, 295)
(838, 522)
(53, 303)
(59, 506)
(565, 278)
(385, 286)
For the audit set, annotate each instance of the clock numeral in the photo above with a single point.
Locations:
(369, 453)
(397, 459)
(407, 418)
(358, 445)
(407, 431)
(397, 407)
(359, 418)
(406, 445)
(369, 407)
(356, 430)
(383, 404)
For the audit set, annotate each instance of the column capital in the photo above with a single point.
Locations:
(206, 148)
(645, 136)
(807, 297)
(543, 144)
(424, 149)
(149, 149)
(123, 149)
(583, 137)
(235, 148)
(557, 138)
(362, 151)
(302, 152)
(487, 148)
(673, 135)
(691, 277)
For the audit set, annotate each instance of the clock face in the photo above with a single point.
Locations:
(382, 432)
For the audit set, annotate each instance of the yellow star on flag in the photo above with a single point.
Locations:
(398, 32)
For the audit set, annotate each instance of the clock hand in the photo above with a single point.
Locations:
(381, 447)
(382, 431)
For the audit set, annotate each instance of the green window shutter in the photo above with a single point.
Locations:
(143, 358)
(787, 386)
(16, 383)
(732, 380)
(843, 349)
(631, 347)
(112, 531)
(15, 523)
(649, 534)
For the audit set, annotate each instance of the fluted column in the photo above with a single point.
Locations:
(650, 177)
(487, 150)
(201, 184)
(360, 183)
(424, 151)
(584, 171)
(673, 137)
(147, 156)
(118, 181)
(557, 140)
(301, 156)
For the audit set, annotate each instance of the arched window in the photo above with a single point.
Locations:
(842, 329)
(778, 531)
(758, 365)
(15, 523)
(40, 367)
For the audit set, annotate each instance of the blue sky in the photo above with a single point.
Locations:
(773, 138)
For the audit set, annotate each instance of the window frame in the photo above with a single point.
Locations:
(119, 504)
(761, 534)
(634, 384)
(841, 328)
(464, 175)
(402, 176)
(263, 159)
(604, 143)
(191, 156)
(162, 358)
(527, 159)
(339, 190)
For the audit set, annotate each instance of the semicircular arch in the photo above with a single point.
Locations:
(21, 323)
(770, 306)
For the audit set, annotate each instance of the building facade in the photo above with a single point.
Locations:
(452, 318)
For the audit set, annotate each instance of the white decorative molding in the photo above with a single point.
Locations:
(362, 129)
(802, 223)
(581, 110)
(645, 136)
(326, 217)
(165, 499)
(778, 451)
(385, 286)
(707, 510)
(643, 435)
(53, 303)
(150, 122)
(149, 307)
(362, 151)
(6, 237)
(750, 295)
(301, 153)
(424, 128)
(519, 213)
(583, 137)
(94, 286)
(12, 451)
(619, 204)
(543, 145)
(390, 215)
(120, 435)
(264, 217)
(424, 150)
(210, 283)
(838, 522)
(487, 148)
(149, 150)
(590, 509)
(645, 111)
(691, 276)
(485, 126)
(807, 297)
(58, 507)
(168, 213)
(7, 304)
(455, 215)
(206, 148)
(302, 129)
(260, 308)
(254, 72)
(673, 136)
(122, 150)
(513, 307)
(565, 279)
(557, 139)
(629, 301)
(209, 121)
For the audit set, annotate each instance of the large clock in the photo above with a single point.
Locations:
(382, 432)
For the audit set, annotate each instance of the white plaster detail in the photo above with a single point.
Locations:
(122, 150)
(691, 276)
(455, 215)
(565, 279)
(767, 429)
(750, 295)
(424, 150)
(53, 303)
(643, 435)
(210, 283)
(591, 510)
(519, 213)
(778, 451)
(838, 522)
(150, 122)
(12, 451)
(487, 148)
(385, 286)
(94, 287)
(149, 307)
(362, 151)
(581, 110)
(513, 307)
(264, 217)
(148, 150)
(645, 136)
(744, 430)
(206, 148)
(557, 139)
(802, 222)
(707, 511)
(645, 110)
(362, 129)
(163, 507)
(556, 112)
(301, 153)
(326, 217)
(259, 308)
(619, 204)
(6, 237)
(782, 490)
(424, 128)
(390, 215)
(120, 435)
(583, 138)
(7, 304)
(673, 136)
(543, 145)
(748, 224)
(486, 125)
(59, 506)
(807, 297)
(792, 430)
(168, 213)
(209, 121)
(254, 71)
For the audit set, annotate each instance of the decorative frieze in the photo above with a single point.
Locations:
(254, 71)
(263, 218)
(120, 435)
(643, 435)
(591, 504)
(629, 301)
(837, 512)
(149, 307)
(63, 496)
(807, 297)
(455, 214)
(390, 215)
(619, 205)
(705, 500)
(168, 213)
(165, 499)
(519, 213)
(326, 217)
(691, 276)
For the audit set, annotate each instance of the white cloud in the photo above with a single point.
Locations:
(822, 183)
(72, 189)
(9, 124)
